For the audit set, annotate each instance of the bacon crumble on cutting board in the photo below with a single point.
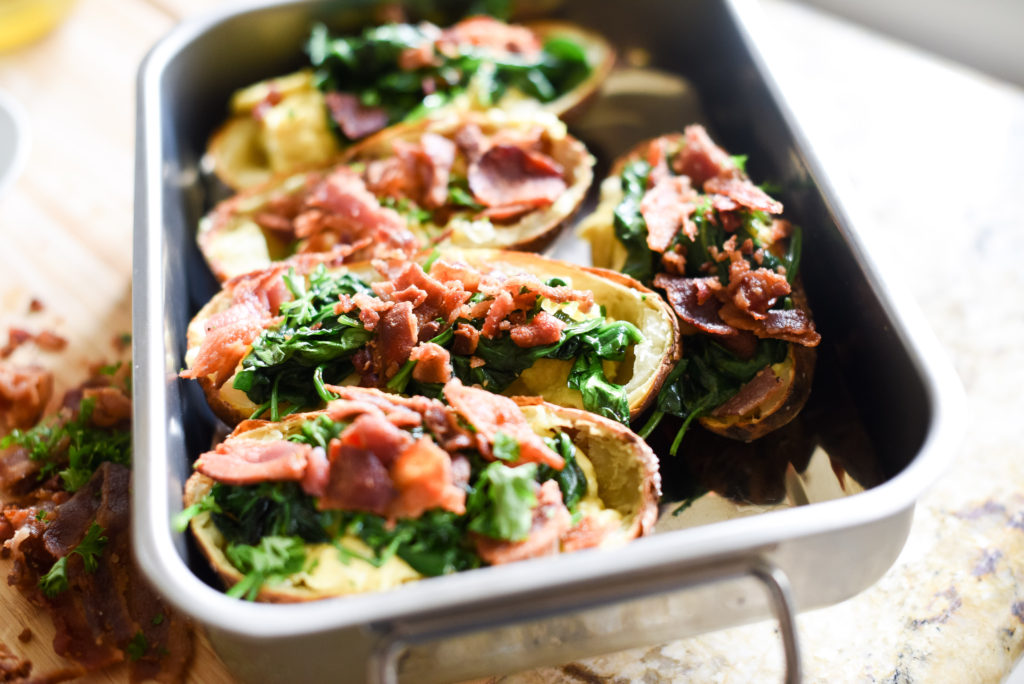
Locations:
(103, 610)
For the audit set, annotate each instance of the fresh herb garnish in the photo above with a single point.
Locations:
(502, 501)
(137, 647)
(56, 580)
(72, 447)
(271, 560)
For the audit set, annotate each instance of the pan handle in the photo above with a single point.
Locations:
(383, 662)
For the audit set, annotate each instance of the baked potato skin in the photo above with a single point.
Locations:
(626, 298)
(237, 154)
(232, 243)
(626, 468)
(598, 229)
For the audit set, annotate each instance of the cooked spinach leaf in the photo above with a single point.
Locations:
(290, 363)
(368, 65)
(571, 479)
(250, 512)
(630, 227)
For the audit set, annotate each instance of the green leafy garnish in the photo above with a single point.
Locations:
(56, 580)
(571, 479)
(506, 448)
(289, 364)
(271, 560)
(181, 520)
(630, 227)
(501, 505)
(137, 647)
(368, 65)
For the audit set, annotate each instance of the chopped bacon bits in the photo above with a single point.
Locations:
(424, 479)
(507, 174)
(754, 292)
(255, 300)
(701, 159)
(24, 392)
(542, 329)
(743, 192)
(112, 406)
(433, 363)
(397, 334)
(355, 119)
(466, 339)
(492, 413)
(666, 208)
(693, 301)
(249, 461)
(490, 33)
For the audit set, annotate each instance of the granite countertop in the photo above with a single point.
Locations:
(927, 151)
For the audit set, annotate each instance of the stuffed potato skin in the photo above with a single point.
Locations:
(237, 237)
(249, 150)
(621, 468)
(641, 373)
(792, 374)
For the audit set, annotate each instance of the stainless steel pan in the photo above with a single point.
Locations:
(884, 416)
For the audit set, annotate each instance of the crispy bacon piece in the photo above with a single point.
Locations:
(111, 407)
(666, 208)
(24, 392)
(396, 336)
(751, 394)
(417, 171)
(754, 291)
(542, 329)
(102, 611)
(791, 325)
(507, 174)
(433, 363)
(551, 520)
(487, 32)
(360, 459)
(249, 461)
(423, 476)
(466, 339)
(493, 413)
(342, 211)
(355, 119)
(743, 192)
(255, 300)
(694, 301)
(701, 159)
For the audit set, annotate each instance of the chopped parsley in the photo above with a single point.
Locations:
(137, 647)
(56, 580)
(72, 448)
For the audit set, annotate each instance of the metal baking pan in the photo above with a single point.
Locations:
(833, 493)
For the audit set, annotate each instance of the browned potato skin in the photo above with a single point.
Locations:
(533, 232)
(798, 389)
(567, 107)
(798, 381)
(629, 447)
(233, 414)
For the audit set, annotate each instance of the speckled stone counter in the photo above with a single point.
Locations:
(932, 157)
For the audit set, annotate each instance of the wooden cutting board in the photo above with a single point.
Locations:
(66, 226)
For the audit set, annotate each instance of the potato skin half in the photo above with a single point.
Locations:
(599, 231)
(233, 243)
(236, 154)
(625, 466)
(625, 298)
